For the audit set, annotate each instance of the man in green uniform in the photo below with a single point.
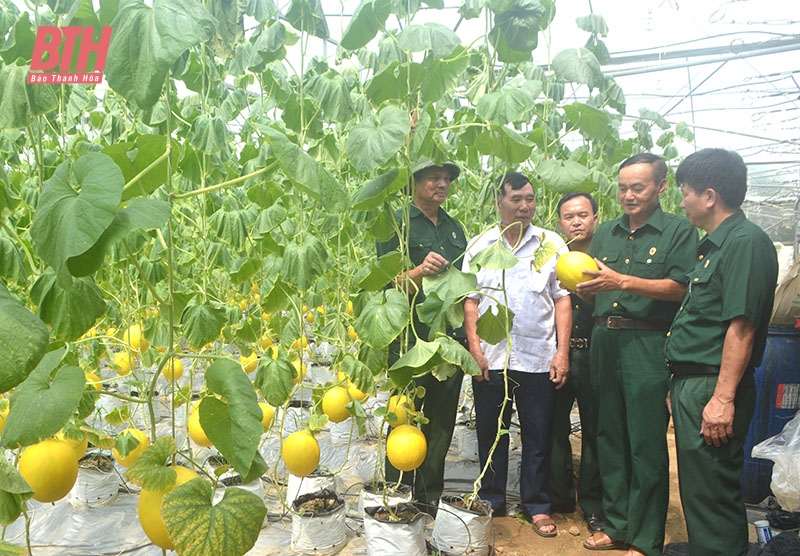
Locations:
(714, 345)
(433, 241)
(643, 257)
(577, 218)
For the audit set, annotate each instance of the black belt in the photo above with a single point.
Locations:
(692, 369)
(615, 322)
(578, 343)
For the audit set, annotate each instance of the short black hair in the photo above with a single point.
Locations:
(515, 180)
(572, 195)
(721, 170)
(657, 164)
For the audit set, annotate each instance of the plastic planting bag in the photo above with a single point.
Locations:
(784, 450)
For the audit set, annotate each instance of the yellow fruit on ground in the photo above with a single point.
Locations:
(406, 447)
(300, 453)
(267, 413)
(351, 333)
(334, 402)
(196, 431)
(50, 467)
(300, 368)
(300, 343)
(79, 447)
(124, 362)
(400, 406)
(265, 341)
(149, 509)
(249, 362)
(133, 453)
(173, 370)
(570, 267)
(134, 337)
(94, 380)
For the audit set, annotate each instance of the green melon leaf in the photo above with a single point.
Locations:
(135, 157)
(275, 379)
(493, 326)
(594, 124)
(14, 492)
(433, 37)
(69, 311)
(578, 65)
(304, 262)
(374, 193)
(234, 427)
(76, 206)
(20, 102)
(150, 471)
(383, 318)
(376, 139)
(198, 527)
(359, 374)
(332, 94)
(379, 272)
(202, 323)
(456, 354)
(565, 175)
(495, 257)
(368, 19)
(421, 358)
(148, 40)
(505, 144)
(308, 16)
(23, 341)
(144, 214)
(59, 389)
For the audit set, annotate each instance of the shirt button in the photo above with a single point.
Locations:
(700, 257)
(577, 306)
(681, 308)
(668, 333)
(615, 304)
(630, 238)
(627, 261)
(695, 279)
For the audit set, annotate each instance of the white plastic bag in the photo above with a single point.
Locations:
(784, 450)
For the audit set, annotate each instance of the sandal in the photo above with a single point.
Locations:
(544, 522)
(601, 541)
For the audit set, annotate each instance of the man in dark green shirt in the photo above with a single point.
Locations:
(577, 218)
(715, 342)
(643, 257)
(433, 241)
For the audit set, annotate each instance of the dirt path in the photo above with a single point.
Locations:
(515, 537)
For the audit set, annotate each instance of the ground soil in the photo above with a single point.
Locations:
(515, 537)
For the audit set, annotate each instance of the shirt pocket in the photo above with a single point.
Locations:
(649, 265)
(704, 289)
(418, 250)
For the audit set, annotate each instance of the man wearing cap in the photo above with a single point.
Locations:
(716, 341)
(433, 241)
(643, 257)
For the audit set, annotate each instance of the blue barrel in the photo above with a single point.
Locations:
(777, 401)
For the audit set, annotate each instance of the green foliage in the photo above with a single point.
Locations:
(229, 178)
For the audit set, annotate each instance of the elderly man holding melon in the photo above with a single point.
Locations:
(643, 257)
(537, 361)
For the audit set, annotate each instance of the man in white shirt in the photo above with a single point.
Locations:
(537, 356)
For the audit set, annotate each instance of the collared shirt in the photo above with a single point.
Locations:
(531, 297)
(446, 237)
(735, 275)
(664, 247)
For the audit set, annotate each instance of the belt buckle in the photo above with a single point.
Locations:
(614, 322)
